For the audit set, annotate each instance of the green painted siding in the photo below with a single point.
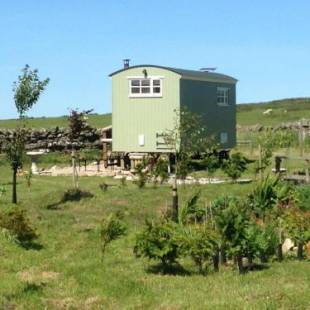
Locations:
(201, 97)
(132, 117)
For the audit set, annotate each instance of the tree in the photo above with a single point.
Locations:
(235, 166)
(186, 139)
(15, 151)
(27, 90)
(77, 124)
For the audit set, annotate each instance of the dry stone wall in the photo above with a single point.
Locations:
(55, 139)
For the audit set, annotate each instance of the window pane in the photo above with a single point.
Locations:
(146, 90)
(156, 82)
(146, 82)
(135, 82)
(135, 90)
(156, 90)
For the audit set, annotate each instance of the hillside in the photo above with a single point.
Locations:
(285, 110)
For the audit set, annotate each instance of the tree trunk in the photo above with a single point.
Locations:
(175, 206)
(223, 255)
(280, 253)
(216, 260)
(14, 191)
(300, 250)
(240, 264)
(74, 171)
(263, 258)
(250, 261)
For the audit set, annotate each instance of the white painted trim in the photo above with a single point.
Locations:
(145, 95)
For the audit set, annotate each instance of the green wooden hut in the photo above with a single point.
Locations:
(145, 98)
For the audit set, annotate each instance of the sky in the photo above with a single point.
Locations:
(78, 43)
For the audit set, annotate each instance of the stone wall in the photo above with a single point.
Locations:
(55, 139)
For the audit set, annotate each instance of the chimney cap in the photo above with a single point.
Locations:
(126, 62)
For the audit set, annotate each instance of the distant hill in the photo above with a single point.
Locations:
(285, 110)
(95, 120)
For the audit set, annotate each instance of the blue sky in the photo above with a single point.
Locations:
(264, 44)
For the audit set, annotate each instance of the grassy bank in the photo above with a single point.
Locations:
(65, 271)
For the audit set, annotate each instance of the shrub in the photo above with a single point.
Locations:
(112, 227)
(2, 191)
(158, 241)
(160, 170)
(200, 243)
(235, 165)
(15, 220)
(192, 212)
(263, 197)
(142, 176)
(75, 194)
(297, 225)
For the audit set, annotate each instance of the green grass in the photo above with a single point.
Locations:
(247, 114)
(95, 120)
(251, 114)
(67, 273)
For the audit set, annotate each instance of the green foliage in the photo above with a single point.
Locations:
(235, 165)
(15, 147)
(191, 212)
(261, 239)
(199, 242)
(28, 176)
(15, 220)
(297, 225)
(75, 194)
(264, 196)
(158, 241)
(142, 175)
(27, 90)
(303, 197)
(160, 170)
(2, 191)
(77, 123)
(232, 223)
(112, 227)
(211, 163)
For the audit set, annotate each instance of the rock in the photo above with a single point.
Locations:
(287, 245)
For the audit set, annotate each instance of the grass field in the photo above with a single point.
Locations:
(286, 110)
(247, 114)
(67, 272)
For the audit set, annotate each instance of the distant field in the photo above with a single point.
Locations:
(95, 120)
(285, 110)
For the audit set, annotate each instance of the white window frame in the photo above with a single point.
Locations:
(224, 96)
(151, 94)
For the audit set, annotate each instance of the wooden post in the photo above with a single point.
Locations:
(307, 171)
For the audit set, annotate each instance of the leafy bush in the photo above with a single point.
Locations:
(160, 170)
(200, 243)
(75, 194)
(112, 227)
(15, 220)
(264, 196)
(192, 212)
(142, 176)
(158, 241)
(303, 198)
(235, 165)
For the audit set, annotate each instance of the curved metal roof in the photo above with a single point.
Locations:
(188, 74)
